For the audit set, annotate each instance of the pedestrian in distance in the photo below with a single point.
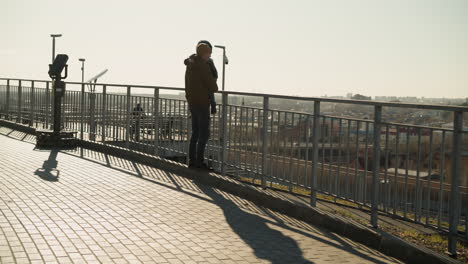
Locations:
(137, 114)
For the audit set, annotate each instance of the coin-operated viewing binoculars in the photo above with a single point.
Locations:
(55, 73)
(56, 138)
(56, 68)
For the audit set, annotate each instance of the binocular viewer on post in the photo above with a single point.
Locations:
(55, 72)
(56, 68)
(57, 137)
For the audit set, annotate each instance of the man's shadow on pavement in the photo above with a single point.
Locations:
(49, 170)
(267, 243)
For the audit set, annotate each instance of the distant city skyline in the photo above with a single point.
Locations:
(302, 48)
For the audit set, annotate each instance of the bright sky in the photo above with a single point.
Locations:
(310, 47)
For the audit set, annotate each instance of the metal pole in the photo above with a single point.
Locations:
(57, 107)
(82, 106)
(82, 71)
(224, 65)
(32, 106)
(47, 110)
(127, 131)
(53, 49)
(8, 100)
(104, 113)
(224, 62)
(224, 131)
(53, 44)
(92, 122)
(265, 140)
(455, 188)
(156, 121)
(376, 166)
(18, 116)
(313, 180)
(82, 111)
(466, 222)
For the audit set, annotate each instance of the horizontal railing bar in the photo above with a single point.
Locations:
(348, 118)
(358, 102)
(416, 126)
(329, 100)
(24, 80)
(247, 107)
(326, 116)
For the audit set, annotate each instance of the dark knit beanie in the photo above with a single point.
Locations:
(205, 42)
(203, 49)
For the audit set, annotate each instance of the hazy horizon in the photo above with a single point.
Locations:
(304, 48)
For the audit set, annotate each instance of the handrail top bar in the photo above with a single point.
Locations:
(289, 97)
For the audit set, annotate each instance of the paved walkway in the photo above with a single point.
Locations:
(61, 207)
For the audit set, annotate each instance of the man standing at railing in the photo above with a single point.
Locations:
(199, 83)
(214, 72)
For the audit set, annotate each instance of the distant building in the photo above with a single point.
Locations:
(361, 97)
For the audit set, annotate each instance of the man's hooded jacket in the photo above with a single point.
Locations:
(199, 81)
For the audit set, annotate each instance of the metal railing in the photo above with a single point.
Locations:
(406, 170)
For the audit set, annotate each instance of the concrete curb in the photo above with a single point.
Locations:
(374, 238)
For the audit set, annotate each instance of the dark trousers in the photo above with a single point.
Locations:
(200, 132)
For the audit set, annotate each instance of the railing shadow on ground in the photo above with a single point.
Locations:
(248, 220)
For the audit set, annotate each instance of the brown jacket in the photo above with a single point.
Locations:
(198, 81)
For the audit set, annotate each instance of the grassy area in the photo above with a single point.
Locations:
(435, 242)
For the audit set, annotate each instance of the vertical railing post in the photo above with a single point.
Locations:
(156, 121)
(265, 140)
(224, 102)
(82, 106)
(315, 136)
(8, 100)
(47, 110)
(104, 114)
(127, 131)
(32, 99)
(92, 121)
(307, 139)
(455, 185)
(466, 221)
(376, 166)
(20, 98)
(188, 124)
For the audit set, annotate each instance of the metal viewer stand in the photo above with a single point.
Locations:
(46, 138)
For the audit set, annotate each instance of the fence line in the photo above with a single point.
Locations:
(406, 170)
